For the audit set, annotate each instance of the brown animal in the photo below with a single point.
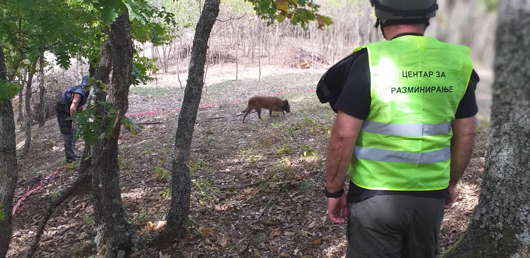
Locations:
(270, 103)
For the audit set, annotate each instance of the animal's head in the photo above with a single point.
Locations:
(286, 106)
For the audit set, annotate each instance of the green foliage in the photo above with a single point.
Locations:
(89, 125)
(306, 186)
(8, 90)
(70, 168)
(143, 68)
(150, 23)
(306, 150)
(76, 28)
(198, 164)
(88, 220)
(2, 213)
(122, 163)
(276, 124)
(141, 218)
(166, 193)
(490, 5)
(203, 187)
(285, 150)
(299, 12)
(243, 150)
(131, 126)
(53, 195)
(108, 9)
(162, 174)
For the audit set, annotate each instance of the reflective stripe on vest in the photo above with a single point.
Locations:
(400, 156)
(416, 85)
(406, 129)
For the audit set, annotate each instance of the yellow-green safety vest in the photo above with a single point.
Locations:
(417, 83)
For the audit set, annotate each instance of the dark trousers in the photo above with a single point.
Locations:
(65, 126)
(394, 226)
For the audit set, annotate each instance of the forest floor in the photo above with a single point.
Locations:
(256, 185)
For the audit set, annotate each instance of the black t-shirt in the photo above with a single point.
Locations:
(355, 100)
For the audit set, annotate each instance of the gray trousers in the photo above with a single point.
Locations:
(69, 144)
(394, 226)
(65, 126)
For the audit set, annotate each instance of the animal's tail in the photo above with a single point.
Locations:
(248, 109)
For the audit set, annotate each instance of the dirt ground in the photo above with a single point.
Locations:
(256, 185)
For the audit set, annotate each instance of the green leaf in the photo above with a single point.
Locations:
(109, 10)
(142, 69)
(87, 125)
(2, 213)
(26, 4)
(323, 21)
(282, 5)
(131, 126)
(8, 90)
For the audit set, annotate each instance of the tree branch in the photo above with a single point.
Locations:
(232, 19)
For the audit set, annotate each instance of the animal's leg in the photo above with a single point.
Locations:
(246, 115)
(270, 112)
(258, 110)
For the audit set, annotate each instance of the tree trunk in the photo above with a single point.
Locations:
(500, 225)
(259, 51)
(180, 172)
(42, 90)
(97, 95)
(8, 163)
(118, 233)
(20, 116)
(177, 53)
(101, 74)
(27, 120)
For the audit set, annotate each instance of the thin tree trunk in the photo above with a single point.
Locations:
(20, 117)
(118, 233)
(42, 91)
(500, 225)
(207, 64)
(259, 51)
(180, 172)
(177, 53)
(237, 58)
(8, 163)
(27, 126)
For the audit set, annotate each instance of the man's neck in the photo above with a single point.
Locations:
(395, 30)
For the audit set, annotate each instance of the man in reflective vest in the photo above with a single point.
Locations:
(71, 102)
(404, 132)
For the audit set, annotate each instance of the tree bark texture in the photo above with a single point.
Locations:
(20, 116)
(8, 163)
(100, 76)
(27, 118)
(180, 172)
(119, 234)
(42, 90)
(500, 225)
(97, 95)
